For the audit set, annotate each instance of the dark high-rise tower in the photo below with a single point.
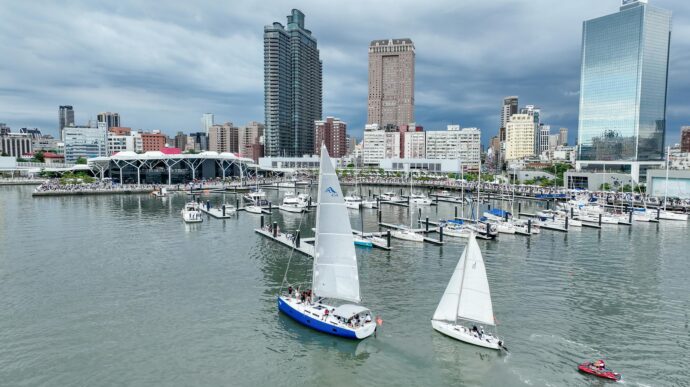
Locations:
(65, 118)
(292, 87)
(509, 107)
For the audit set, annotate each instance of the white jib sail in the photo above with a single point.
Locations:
(467, 295)
(335, 261)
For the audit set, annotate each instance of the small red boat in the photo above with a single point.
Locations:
(598, 369)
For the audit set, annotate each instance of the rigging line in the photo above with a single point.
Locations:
(292, 252)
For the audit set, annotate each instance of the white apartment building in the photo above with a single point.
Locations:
(379, 144)
(520, 136)
(415, 145)
(124, 143)
(455, 144)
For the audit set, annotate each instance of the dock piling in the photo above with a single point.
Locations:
(566, 223)
(599, 220)
(223, 210)
(297, 239)
(427, 224)
(275, 229)
(379, 212)
(262, 221)
(529, 226)
(519, 207)
(440, 233)
(456, 211)
(388, 239)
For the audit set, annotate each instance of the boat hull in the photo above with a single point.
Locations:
(605, 374)
(289, 208)
(316, 323)
(253, 210)
(458, 332)
(407, 236)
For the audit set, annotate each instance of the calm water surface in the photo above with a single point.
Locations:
(117, 290)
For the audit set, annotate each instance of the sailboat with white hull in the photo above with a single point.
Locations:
(335, 275)
(466, 302)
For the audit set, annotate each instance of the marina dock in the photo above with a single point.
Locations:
(438, 242)
(301, 245)
(218, 213)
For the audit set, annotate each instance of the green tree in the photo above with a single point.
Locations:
(605, 187)
(81, 160)
(39, 157)
(4, 154)
(627, 188)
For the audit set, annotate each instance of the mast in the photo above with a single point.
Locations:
(462, 189)
(479, 184)
(668, 162)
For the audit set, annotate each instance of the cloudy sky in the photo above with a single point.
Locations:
(162, 64)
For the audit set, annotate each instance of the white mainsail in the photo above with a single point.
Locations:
(335, 261)
(467, 295)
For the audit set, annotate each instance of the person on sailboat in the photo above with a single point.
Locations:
(325, 315)
(289, 290)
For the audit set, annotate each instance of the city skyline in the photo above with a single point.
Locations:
(203, 67)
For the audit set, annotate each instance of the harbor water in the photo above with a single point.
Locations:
(117, 290)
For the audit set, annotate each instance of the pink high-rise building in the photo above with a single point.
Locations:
(391, 82)
(331, 132)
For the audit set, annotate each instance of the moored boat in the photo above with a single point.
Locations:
(191, 213)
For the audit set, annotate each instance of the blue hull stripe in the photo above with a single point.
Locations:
(314, 323)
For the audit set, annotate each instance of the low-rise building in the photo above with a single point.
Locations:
(153, 141)
(379, 144)
(455, 143)
(415, 145)
(85, 142)
(15, 144)
(424, 165)
(678, 183)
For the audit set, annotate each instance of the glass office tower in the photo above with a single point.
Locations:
(623, 84)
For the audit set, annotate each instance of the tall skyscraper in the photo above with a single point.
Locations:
(109, 119)
(206, 122)
(685, 139)
(563, 136)
(332, 133)
(292, 87)
(623, 85)
(510, 107)
(391, 82)
(65, 118)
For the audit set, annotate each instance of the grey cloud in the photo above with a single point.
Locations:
(163, 64)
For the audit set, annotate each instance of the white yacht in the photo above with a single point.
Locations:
(253, 209)
(352, 201)
(191, 213)
(391, 197)
(292, 203)
(420, 199)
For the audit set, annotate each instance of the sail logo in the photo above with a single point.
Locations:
(331, 191)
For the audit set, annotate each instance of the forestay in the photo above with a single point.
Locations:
(467, 295)
(335, 262)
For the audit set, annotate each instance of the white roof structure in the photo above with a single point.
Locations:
(158, 155)
(347, 311)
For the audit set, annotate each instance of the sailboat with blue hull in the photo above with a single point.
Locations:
(335, 277)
